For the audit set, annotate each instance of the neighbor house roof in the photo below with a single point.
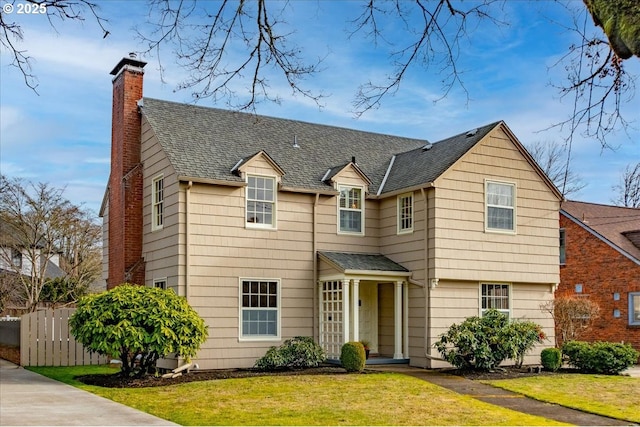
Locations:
(206, 143)
(617, 226)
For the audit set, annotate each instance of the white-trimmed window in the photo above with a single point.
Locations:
(157, 203)
(160, 283)
(634, 308)
(351, 210)
(495, 295)
(500, 206)
(260, 309)
(261, 201)
(563, 247)
(405, 213)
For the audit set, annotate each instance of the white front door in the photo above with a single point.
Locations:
(368, 315)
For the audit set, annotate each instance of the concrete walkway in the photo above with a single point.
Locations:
(30, 399)
(508, 399)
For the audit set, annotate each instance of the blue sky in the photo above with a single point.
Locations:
(62, 136)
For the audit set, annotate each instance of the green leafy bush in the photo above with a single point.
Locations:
(139, 325)
(483, 343)
(294, 353)
(352, 356)
(551, 359)
(600, 357)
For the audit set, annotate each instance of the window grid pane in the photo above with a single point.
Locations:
(495, 296)
(500, 206)
(350, 209)
(158, 202)
(260, 200)
(259, 308)
(406, 213)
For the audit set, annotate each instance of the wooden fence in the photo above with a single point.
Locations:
(45, 340)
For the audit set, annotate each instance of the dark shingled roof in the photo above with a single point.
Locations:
(207, 143)
(362, 262)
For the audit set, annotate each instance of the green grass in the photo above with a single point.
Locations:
(609, 395)
(372, 399)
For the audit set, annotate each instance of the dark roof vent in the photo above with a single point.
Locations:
(427, 146)
(472, 132)
(353, 159)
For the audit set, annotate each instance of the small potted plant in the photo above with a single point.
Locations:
(365, 344)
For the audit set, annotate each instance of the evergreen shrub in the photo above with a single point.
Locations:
(294, 353)
(352, 356)
(600, 357)
(551, 359)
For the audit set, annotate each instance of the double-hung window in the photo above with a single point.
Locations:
(260, 302)
(634, 308)
(157, 202)
(500, 206)
(495, 295)
(405, 213)
(351, 210)
(160, 283)
(261, 201)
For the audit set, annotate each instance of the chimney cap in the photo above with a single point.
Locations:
(130, 60)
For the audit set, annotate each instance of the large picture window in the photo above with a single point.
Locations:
(634, 308)
(261, 201)
(495, 295)
(157, 201)
(500, 206)
(259, 308)
(350, 210)
(405, 213)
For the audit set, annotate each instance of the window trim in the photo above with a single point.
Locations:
(361, 210)
(155, 224)
(632, 321)
(160, 280)
(274, 216)
(513, 208)
(399, 212)
(509, 297)
(278, 311)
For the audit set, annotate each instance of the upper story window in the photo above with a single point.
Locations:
(351, 210)
(634, 308)
(563, 247)
(261, 201)
(405, 213)
(500, 206)
(157, 203)
(495, 295)
(259, 309)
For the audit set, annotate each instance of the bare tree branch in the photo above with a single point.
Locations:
(629, 188)
(554, 159)
(11, 33)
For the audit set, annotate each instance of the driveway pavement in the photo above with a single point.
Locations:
(30, 399)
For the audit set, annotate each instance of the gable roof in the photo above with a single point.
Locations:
(205, 144)
(615, 225)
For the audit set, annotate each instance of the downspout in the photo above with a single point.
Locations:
(315, 322)
(187, 242)
(427, 347)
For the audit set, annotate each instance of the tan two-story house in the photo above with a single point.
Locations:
(275, 228)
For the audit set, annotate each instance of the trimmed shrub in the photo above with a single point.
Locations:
(551, 359)
(352, 356)
(294, 353)
(600, 357)
(139, 325)
(482, 343)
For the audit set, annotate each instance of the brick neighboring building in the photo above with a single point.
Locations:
(600, 260)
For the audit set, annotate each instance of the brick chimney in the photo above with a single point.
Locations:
(126, 180)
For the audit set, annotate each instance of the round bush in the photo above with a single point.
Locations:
(294, 353)
(551, 359)
(352, 356)
(139, 325)
(600, 357)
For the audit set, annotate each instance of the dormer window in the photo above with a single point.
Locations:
(261, 201)
(351, 210)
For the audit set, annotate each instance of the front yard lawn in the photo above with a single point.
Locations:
(608, 395)
(371, 399)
